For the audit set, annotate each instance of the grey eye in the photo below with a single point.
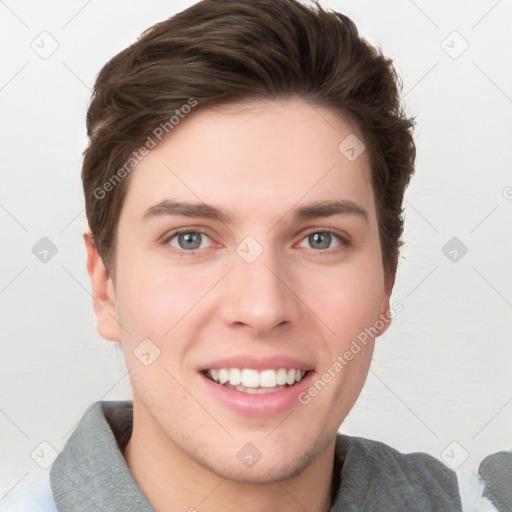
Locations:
(188, 240)
(320, 240)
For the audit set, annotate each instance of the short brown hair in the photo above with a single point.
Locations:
(221, 52)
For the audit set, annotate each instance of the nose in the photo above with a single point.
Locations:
(259, 295)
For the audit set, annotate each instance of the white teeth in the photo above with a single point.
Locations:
(255, 380)
(268, 379)
(281, 377)
(250, 378)
(223, 375)
(256, 391)
(235, 376)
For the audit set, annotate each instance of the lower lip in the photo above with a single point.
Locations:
(261, 405)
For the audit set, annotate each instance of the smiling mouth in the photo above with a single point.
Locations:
(252, 381)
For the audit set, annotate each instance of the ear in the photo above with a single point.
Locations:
(103, 293)
(385, 315)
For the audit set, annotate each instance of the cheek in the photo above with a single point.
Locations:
(152, 300)
(347, 299)
(166, 304)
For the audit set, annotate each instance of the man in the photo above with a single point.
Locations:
(244, 183)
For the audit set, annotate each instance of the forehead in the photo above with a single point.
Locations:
(256, 160)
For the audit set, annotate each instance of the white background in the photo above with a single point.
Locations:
(442, 372)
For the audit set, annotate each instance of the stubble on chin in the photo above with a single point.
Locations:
(261, 473)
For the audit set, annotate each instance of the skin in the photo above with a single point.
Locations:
(256, 161)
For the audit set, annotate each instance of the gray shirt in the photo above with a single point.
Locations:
(91, 474)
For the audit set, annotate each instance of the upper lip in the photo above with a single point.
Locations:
(263, 363)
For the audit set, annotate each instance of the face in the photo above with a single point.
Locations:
(248, 250)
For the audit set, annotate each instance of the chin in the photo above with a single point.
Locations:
(270, 468)
(261, 472)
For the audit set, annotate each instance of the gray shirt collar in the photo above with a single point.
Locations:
(91, 473)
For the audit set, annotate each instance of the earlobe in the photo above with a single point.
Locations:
(385, 316)
(103, 293)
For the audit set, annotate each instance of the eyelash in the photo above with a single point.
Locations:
(343, 242)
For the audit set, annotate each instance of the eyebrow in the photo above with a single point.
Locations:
(316, 210)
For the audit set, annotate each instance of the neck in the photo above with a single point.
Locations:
(172, 481)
